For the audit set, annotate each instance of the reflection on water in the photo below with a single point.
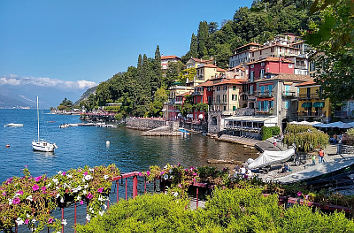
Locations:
(80, 146)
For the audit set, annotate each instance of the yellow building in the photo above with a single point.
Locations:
(312, 106)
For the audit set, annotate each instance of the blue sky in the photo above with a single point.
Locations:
(75, 40)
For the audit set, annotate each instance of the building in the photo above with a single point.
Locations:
(237, 72)
(242, 54)
(166, 59)
(277, 96)
(196, 62)
(206, 72)
(203, 93)
(312, 106)
(175, 101)
(226, 100)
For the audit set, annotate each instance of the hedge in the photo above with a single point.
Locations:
(229, 210)
(268, 132)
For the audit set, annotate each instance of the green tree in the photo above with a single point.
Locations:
(203, 34)
(172, 74)
(332, 37)
(193, 49)
(156, 106)
(188, 73)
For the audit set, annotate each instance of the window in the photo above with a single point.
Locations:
(287, 89)
(233, 108)
(224, 108)
(262, 73)
(251, 90)
(262, 89)
(234, 88)
(252, 66)
(251, 76)
(290, 65)
(286, 104)
(272, 49)
(218, 88)
(260, 52)
(225, 88)
(218, 99)
(270, 87)
(262, 63)
(252, 55)
(234, 97)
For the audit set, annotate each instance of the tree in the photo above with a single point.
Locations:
(203, 34)
(156, 106)
(332, 37)
(213, 27)
(193, 48)
(65, 105)
(189, 74)
(172, 74)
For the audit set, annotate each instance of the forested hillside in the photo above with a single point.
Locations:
(142, 90)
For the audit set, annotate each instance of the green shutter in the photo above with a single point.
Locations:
(318, 105)
(306, 105)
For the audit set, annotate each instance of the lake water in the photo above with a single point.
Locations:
(80, 146)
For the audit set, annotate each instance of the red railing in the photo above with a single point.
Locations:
(134, 175)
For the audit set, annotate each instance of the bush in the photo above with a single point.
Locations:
(118, 116)
(112, 108)
(268, 132)
(229, 210)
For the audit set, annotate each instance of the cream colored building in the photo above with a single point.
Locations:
(196, 62)
(206, 72)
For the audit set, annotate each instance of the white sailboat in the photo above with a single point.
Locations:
(41, 145)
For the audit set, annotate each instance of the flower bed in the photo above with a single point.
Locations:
(30, 200)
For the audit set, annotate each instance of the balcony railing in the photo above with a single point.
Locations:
(196, 93)
(244, 112)
(264, 94)
(311, 96)
(289, 94)
(311, 114)
(264, 112)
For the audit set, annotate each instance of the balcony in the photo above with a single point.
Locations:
(311, 114)
(289, 94)
(265, 112)
(265, 94)
(311, 96)
(196, 93)
(244, 112)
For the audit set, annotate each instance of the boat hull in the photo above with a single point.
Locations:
(43, 146)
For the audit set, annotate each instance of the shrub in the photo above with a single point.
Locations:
(118, 116)
(268, 132)
(112, 108)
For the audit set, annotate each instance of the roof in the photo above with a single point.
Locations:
(206, 84)
(289, 77)
(201, 60)
(220, 70)
(237, 67)
(169, 57)
(308, 83)
(272, 59)
(255, 44)
(229, 81)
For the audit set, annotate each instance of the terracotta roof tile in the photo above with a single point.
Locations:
(288, 77)
(229, 81)
(308, 83)
(169, 57)
(206, 84)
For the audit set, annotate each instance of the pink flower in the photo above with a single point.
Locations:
(64, 173)
(16, 201)
(38, 178)
(195, 174)
(299, 194)
(194, 180)
(20, 192)
(35, 187)
(100, 190)
(43, 188)
(81, 202)
(89, 196)
(50, 220)
(163, 172)
(307, 197)
(148, 173)
(79, 170)
(140, 174)
(85, 173)
(179, 185)
(4, 193)
(26, 221)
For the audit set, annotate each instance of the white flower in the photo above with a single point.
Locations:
(79, 187)
(175, 194)
(86, 186)
(75, 190)
(48, 185)
(83, 179)
(106, 177)
(60, 172)
(88, 177)
(29, 198)
(104, 206)
(100, 198)
(91, 169)
(78, 198)
(19, 221)
(27, 215)
(88, 217)
(34, 221)
(55, 181)
(101, 212)
(62, 200)
(69, 176)
(10, 201)
(58, 195)
(84, 192)
(63, 222)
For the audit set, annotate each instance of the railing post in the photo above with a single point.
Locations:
(75, 217)
(62, 217)
(126, 188)
(117, 183)
(197, 192)
(135, 186)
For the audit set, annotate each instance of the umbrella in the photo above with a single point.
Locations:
(321, 125)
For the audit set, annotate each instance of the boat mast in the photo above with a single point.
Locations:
(38, 118)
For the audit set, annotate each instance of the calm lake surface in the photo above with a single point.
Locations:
(80, 146)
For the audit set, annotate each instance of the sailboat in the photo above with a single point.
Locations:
(41, 145)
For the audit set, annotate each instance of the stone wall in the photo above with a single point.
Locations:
(144, 123)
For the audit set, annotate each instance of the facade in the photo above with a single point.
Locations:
(166, 59)
(206, 72)
(175, 101)
(312, 106)
(242, 54)
(277, 96)
(203, 93)
(237, 72)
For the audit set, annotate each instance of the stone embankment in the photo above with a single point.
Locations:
(144, 124)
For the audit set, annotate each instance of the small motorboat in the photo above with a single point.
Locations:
(13, 125)
(64, 126)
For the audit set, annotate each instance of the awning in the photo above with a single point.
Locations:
(318, 104)
(306, 105)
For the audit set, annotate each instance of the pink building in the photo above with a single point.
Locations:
(166, 59)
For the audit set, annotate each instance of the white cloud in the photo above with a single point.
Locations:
(15, 80)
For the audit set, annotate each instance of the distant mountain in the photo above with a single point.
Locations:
(86, 94)
(15, 101)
